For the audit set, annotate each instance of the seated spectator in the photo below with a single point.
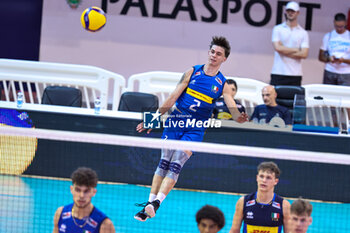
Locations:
(264, 113)
(210, 219)
(221, 111)
(300, 219)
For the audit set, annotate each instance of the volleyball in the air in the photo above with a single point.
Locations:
(93, 19)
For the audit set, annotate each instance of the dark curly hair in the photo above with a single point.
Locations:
(84, 176)
(213, 213)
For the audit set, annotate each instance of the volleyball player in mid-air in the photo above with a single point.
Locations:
(82, 215)
(194, 97)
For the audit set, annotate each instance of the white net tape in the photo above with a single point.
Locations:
(121, 140)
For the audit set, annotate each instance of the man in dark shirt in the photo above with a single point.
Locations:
(264, 113)
(221, 111)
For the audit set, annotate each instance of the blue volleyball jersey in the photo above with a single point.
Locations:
(259, 217)
(198, 99)
(93, 222)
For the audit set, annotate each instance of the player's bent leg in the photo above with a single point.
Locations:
(160, 173)
(163, 166)
(177, 162)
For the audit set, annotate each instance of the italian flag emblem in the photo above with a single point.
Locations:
(85, 231)
(214, 88)
(275, 216)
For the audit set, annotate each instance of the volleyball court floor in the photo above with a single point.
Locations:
(27, 205)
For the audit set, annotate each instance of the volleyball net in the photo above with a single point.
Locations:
(36, 165)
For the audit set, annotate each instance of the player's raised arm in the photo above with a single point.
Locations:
(170, 101)
(180, 87)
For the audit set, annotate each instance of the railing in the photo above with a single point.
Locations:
(327, 105)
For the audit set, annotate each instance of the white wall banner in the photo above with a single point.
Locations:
(173, 35)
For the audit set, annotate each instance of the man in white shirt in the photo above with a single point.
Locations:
(291, 44)
(335, 52)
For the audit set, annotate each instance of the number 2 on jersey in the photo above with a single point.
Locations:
(192, 107)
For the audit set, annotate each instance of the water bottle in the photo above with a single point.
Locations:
(262, 121)
(19, 100)
(97, 105)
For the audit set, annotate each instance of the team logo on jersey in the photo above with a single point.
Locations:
(250, 215)
(197, 73)
(219, 103)
(66, 215)
(63, 228)
(92, 223)
(250, 203)
(276, 205)
(193, 81)
(214, 89)
(275, 216)
(218, 80)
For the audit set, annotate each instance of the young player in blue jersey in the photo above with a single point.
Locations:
(264, 210)
(81, 216)
(194, 98)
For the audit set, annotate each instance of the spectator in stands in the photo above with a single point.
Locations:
(221, 111)
(291, 44)
(264, 113)
(210, 219)
(264, 210)
(82, 215)
(335, 52)
(300, 216)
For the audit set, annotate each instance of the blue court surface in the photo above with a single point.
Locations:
(27, 205)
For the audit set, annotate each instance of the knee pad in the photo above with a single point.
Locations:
(163, 166)
(177, 162)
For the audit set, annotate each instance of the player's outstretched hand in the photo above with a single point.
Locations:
(242, 118)
(139, 128)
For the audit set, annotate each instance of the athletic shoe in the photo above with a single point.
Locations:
(152, 208)
(142, 215)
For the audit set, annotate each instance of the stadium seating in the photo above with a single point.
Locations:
(64, 96)
(138, 102)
